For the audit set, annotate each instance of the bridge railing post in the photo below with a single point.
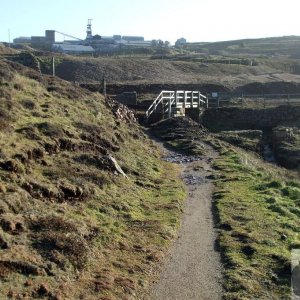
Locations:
(167, 100)
(170, 106)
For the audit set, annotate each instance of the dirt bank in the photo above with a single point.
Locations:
(193, 270)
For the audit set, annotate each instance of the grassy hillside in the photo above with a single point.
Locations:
(257, 211)
(179, 71)
(286, 45)
(225, 68)
(72, 226)
(6, 50)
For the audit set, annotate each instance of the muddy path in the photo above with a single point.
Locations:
(193, 269)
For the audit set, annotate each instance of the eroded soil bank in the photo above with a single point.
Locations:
(193, 269)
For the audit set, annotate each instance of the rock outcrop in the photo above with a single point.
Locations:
(286, 145)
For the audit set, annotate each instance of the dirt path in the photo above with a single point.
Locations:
(193, 270)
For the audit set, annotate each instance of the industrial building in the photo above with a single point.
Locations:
(72, 49)
(22, 40)
(91, 44)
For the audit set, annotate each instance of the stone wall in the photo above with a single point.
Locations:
(157, 88)
(127, 98)
(194, 114)
(219, 119)
(27, 59)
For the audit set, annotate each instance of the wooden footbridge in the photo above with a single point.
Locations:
(174, 103)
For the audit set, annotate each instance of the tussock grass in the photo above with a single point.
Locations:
(257, 215)
(80, 228)
(259, 225)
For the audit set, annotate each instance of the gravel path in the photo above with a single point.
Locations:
(193, 270)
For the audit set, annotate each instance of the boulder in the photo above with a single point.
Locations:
(114, 164)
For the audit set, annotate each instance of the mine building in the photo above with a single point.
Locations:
(91, 44)
(22, 40)
(72, 49)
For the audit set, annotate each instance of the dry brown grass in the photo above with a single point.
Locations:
(66, 217)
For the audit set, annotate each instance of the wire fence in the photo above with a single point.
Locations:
(253, 100)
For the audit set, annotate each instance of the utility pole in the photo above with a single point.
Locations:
(9, 38)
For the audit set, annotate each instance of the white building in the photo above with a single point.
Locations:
(72, 49)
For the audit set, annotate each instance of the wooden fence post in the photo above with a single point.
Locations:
(104, 86)
(53, 66)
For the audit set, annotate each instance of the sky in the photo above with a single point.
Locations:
(168, 20)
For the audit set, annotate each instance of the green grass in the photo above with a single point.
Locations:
(259, 224)
(257, 209)
(249, 140)
(69, 223)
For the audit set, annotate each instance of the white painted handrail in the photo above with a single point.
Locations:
(167, 100)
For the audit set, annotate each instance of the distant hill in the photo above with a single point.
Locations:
(229, 64)
(286, 45)
(136, 71)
